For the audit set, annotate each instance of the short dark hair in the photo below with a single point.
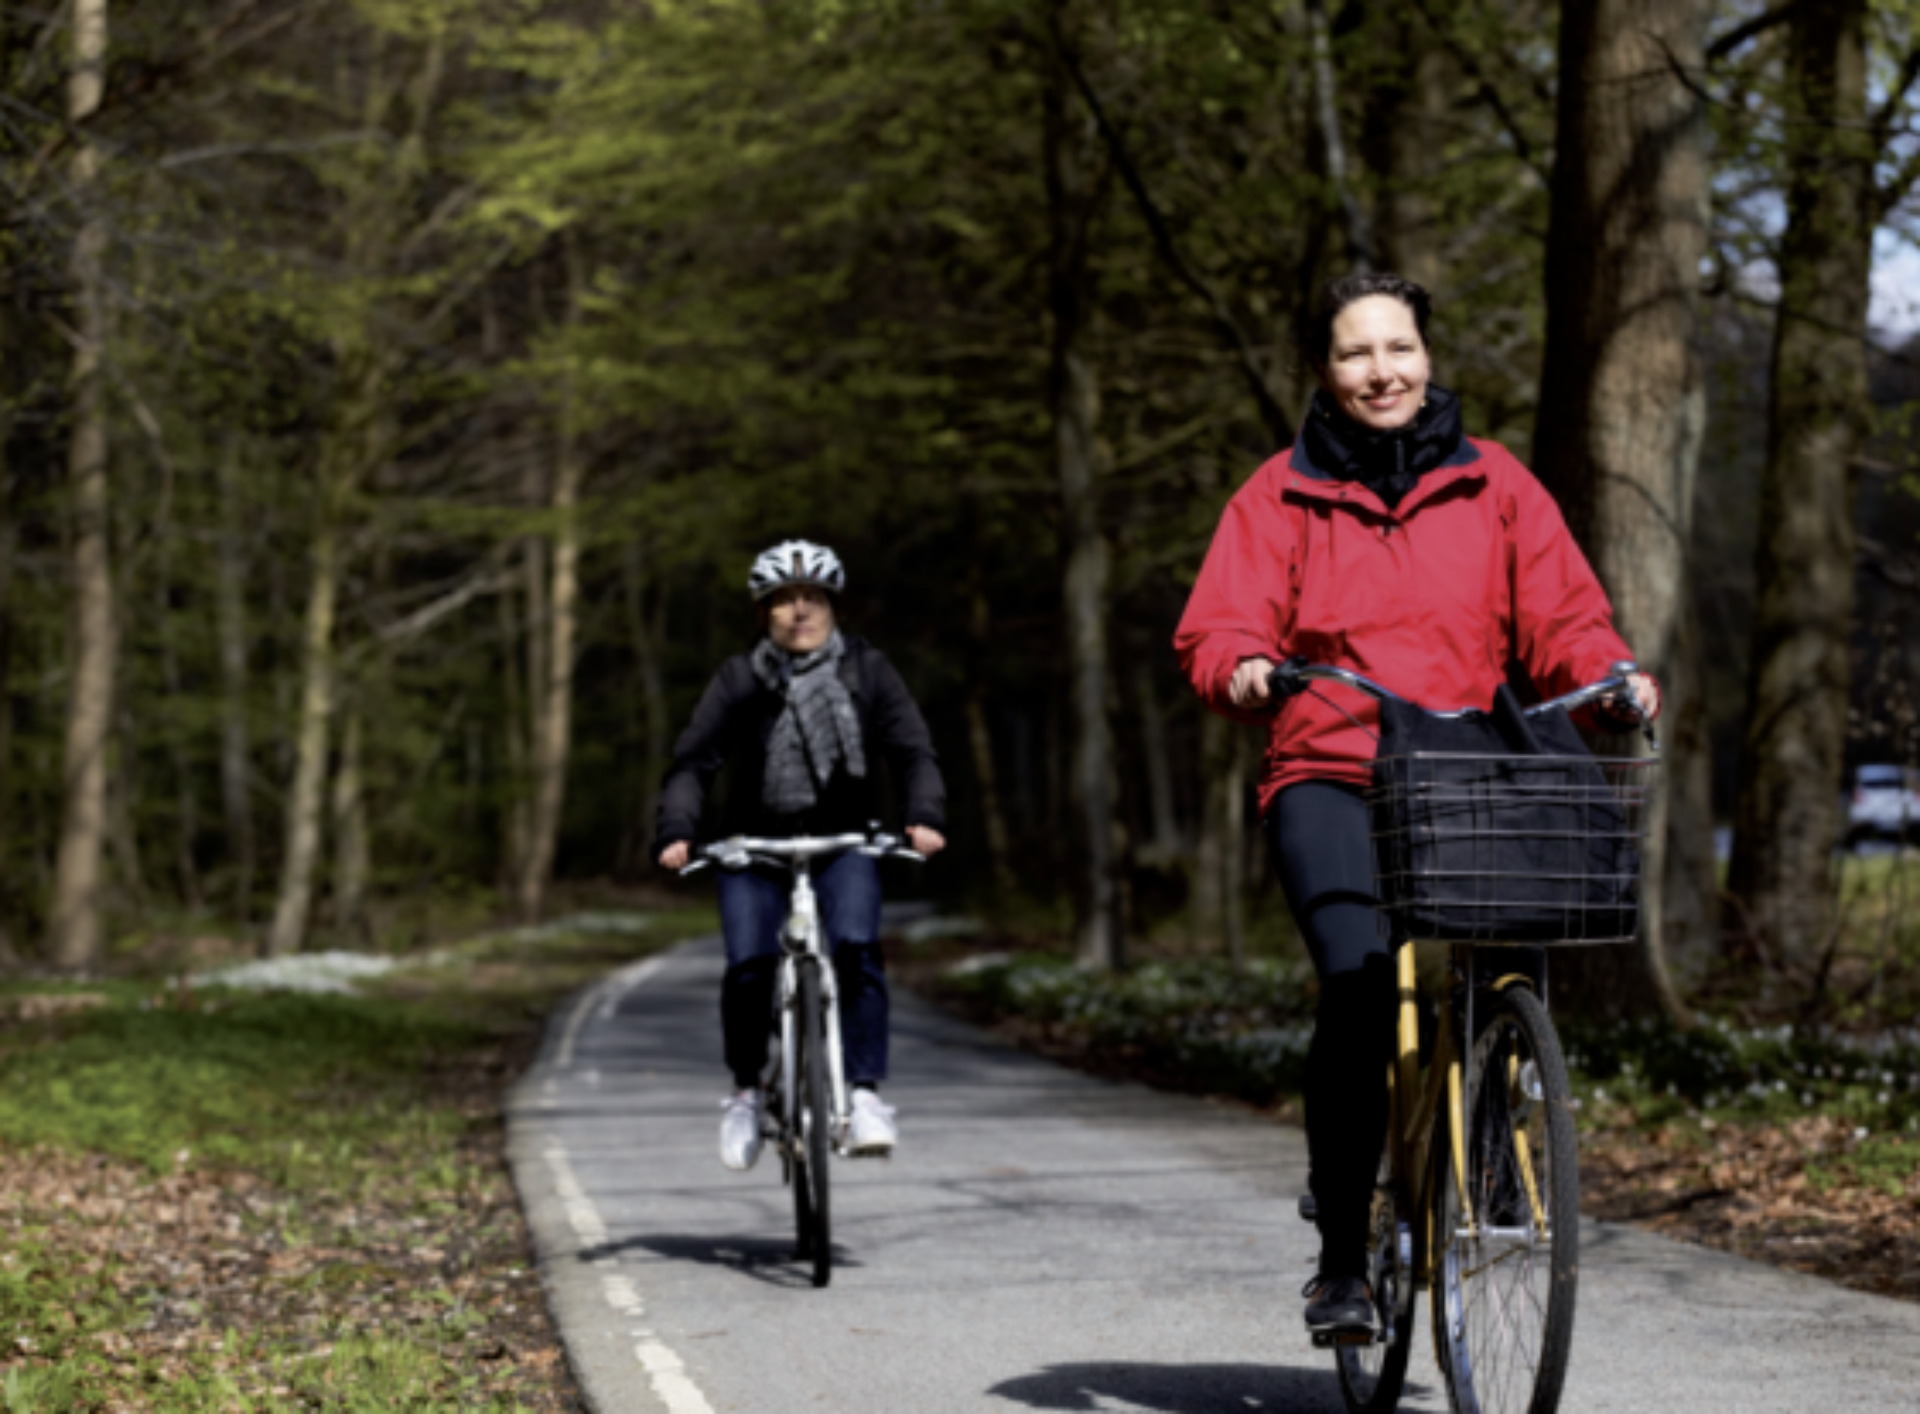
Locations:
(1337, 294)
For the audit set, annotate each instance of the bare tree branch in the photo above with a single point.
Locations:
(1894, 190)
(1488, 94)
(1750, 29)
(1278, 423)
(492, 573)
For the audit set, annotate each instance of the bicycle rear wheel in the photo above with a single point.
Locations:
(812, 1128)
(1507, 1249)
(1372, 1375)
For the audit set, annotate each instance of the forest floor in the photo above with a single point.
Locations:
(1794, 1148)
(221, 1199)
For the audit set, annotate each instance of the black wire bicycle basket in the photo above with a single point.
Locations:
(1508, 848)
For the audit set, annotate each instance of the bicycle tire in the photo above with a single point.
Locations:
(791, 1170)
(1503, 1296)
(814, 1129)
(1372, 1376)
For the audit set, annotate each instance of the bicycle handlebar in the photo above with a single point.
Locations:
(739, 851)
(1283, 680)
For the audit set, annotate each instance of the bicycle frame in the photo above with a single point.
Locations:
(1414, 1104)
(800, 937)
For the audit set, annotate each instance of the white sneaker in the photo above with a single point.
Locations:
(870, 1129)
(740, 1137)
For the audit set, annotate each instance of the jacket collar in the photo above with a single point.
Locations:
(1301, 478)
(1464, 452)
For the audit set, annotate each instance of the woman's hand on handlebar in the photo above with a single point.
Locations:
(1646, 696)
(925, 841)
(675, 856)
(1248, 687)
(1647, 693)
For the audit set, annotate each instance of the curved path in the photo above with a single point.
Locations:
(1045, 1241)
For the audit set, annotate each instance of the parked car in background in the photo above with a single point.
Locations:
(1884, 804)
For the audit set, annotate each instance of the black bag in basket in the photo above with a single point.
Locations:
(1499, 828)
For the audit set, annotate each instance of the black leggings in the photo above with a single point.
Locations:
(1318, 837)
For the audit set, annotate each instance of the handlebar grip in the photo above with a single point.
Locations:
(1287, 679)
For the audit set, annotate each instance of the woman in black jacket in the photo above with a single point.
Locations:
(799, 721)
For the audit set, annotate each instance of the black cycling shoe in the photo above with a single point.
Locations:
(1339, 1306)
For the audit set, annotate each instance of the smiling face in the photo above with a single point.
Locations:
(1377, 366)
(799, 618)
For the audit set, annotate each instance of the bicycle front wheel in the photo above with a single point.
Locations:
(813, 1129)
(1506, 1248)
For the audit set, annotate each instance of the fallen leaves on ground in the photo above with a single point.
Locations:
(198, 1255)
(1776, 1194)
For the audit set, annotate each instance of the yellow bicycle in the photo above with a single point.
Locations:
(1478, 1195)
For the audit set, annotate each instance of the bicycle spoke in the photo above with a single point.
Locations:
(1510, 1322)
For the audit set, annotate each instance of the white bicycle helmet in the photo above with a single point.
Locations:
(795, 562)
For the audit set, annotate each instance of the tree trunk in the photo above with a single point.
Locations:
(9, 549)
(993, 815)
(1218, 889)
(186, 828)
(1208, 883)
(351, 855)
(74, 925)
(646, 632)
(552, 697)
(1074, 399)
(1163, 840)
(301, 854)
(123, 841)
(236, 800)
(1622, 401)
(1326, 110)
(1692, 889)
(1786, 820)
(1237, 854)
(1407, 105)
(513, 693)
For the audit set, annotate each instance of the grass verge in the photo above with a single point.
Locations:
(231, 1200)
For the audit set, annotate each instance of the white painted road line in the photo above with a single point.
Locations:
(667, 1374)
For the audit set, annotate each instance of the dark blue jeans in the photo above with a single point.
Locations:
(753, 906)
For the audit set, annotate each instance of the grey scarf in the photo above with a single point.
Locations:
(815, 732)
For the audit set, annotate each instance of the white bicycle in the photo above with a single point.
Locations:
(807, 1110)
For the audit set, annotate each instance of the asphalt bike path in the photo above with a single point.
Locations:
(1046, 1241)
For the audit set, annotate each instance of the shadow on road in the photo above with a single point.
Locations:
(765, 1259)
(1179, 1389)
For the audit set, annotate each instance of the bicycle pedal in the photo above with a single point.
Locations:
(1327, 1340)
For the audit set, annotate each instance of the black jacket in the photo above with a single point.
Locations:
(730, 728)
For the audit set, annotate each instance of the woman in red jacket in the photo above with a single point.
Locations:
(1387, 542)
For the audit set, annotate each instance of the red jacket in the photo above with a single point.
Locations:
(1474, 570)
